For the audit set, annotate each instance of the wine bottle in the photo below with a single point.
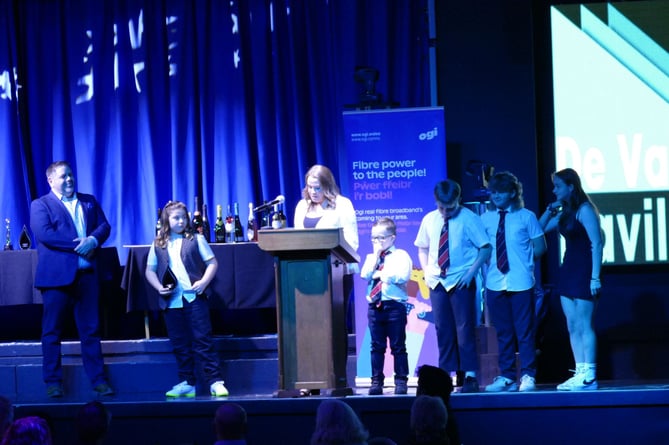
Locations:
(219, 227)
(159, 223)
(206, 228)
(229, 227)
(239, 231)
(276, 218)
(197, 217)
(282, 217)
(251, 231)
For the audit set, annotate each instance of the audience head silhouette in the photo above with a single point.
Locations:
(434, 381)
(30, 430)
(428, 421)
(92, 423)
(6, 414)
(337, 423)
(230, 422)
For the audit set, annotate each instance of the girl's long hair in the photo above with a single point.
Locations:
(164, 234)
(576, 198)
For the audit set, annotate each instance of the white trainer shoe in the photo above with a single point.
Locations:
(502, 384)
(527, 383)
(578, 383)
(570, 382)
(182, 389)
(585, 385)
(218, 389)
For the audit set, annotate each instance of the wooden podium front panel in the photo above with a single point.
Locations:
(305, 319)
(311, 310)
(311, 321)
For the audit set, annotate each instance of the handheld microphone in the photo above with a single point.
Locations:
(278, 200)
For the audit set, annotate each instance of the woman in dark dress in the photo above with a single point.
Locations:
(577, 219)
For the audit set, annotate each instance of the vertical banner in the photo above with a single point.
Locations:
(394, 158)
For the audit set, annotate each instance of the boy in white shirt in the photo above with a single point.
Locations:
(388, 270)
(517, 240)
(452, 247)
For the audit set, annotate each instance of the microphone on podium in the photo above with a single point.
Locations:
(278, 200)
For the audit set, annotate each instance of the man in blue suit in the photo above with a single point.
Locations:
(69, 228)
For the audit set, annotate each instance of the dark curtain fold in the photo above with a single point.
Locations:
(159, 100)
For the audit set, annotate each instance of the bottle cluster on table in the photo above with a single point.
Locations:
(226, 229)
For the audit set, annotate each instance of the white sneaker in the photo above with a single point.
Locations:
(578, 383)
(182, 389)
(570, 382)
(581, 384)
(585, 385)
(501, 384)
(527, 383)
(218, 389)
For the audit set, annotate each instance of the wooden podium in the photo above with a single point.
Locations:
(309, 266)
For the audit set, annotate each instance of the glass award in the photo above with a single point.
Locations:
(24, 239)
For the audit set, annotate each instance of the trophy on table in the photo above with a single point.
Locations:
(8, 236)
(24, 239)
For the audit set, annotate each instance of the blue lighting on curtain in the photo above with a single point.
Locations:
(153, 100)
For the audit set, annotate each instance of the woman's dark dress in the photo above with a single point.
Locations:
(576, 268)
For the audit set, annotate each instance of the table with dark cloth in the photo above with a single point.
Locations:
(17, 273)
(21, 303)
(244, 279)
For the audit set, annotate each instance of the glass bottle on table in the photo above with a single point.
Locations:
(239, 231)
(159, 224)
(251, 229)
(206, 228)
(276, 218)
(282, 217)
(229, 227)
(219, 226)
(197, 217)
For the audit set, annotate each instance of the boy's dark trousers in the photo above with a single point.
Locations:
(388, 322)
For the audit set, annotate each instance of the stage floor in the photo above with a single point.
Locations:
(608, 390)
(620, 412)
(617, 413)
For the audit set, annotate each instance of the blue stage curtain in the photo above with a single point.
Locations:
(153, 100)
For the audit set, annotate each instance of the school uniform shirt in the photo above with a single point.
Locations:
(183, 287)
(394, 275)
(466, 236)
(521, 227)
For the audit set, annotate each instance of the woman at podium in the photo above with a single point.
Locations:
(323, 207)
